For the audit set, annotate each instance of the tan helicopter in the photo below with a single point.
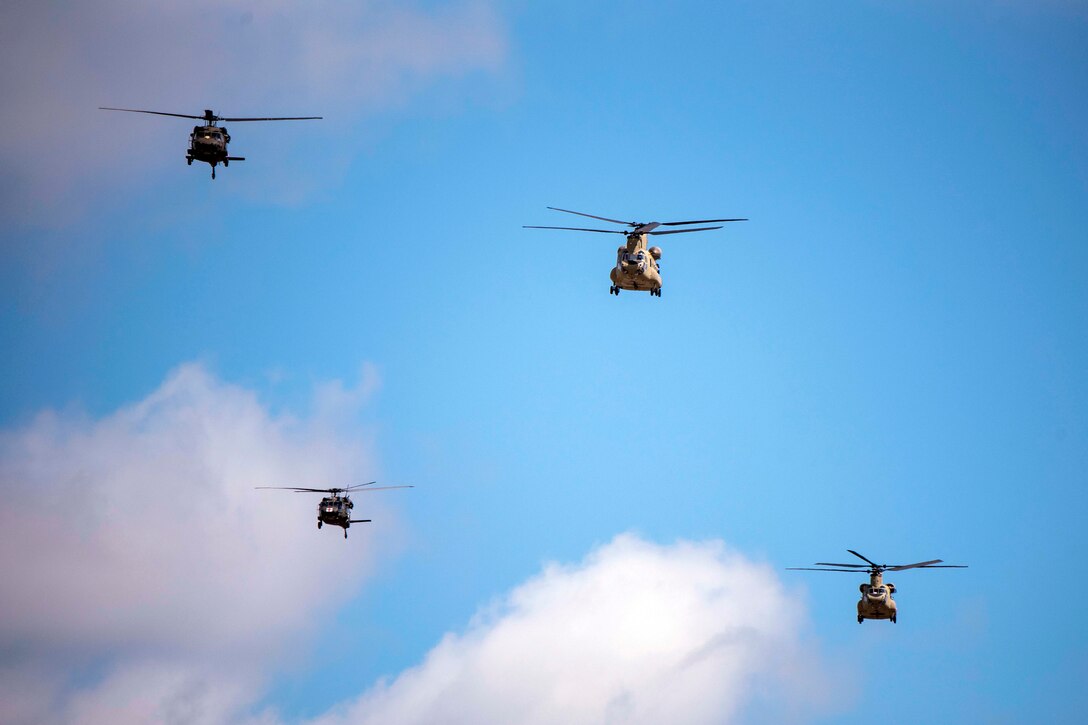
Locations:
(208, 143)
(637, 267)
(335, 509)
(876, 596)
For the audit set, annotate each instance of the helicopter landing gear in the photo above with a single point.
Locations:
(189, 160)
(614, 290)
(213, 173)
(226, 163)
(893, 619)
(860, 619)
(345, 533)
(319, 524)
(655, 292)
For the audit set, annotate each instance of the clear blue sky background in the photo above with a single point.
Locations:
(890, 356)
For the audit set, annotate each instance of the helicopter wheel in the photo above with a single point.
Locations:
(189, 161)
(345, 533)
(319, 524)
(860, 619)
(893, 619)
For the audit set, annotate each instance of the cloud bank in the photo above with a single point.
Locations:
(343, 60)
(144, 580)
(635, 633)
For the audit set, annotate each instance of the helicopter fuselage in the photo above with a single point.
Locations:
(637, 266)
(335, 511)
(876, 599)
(208, 143)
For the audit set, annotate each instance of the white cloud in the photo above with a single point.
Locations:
(636, 633)
(343, 60)
(158, 692)
(146, 581)
(136, 546)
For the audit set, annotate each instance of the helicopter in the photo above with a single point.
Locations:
(637, 267)
(335, 509)
(208, 143)
(876, 596)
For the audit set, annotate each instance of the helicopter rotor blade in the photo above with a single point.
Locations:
(382, 488)
(580, 229)
(927, 565)
(296, 489)
(355, 486)
(878, 566)
(157, 113)
(807, 568)
(291, 488)
(280, 118)
(681, 231)
(851, 566)
(897, 567)
(700, 221)
(594, 216)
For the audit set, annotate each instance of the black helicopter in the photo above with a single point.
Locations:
(208, 143)
(335, 509)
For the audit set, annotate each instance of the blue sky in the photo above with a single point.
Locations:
(889, 357)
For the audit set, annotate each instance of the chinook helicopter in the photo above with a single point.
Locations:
(637, 268)
(876, 596)
(208, 143)
(335, 509)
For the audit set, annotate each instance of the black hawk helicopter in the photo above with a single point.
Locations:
(335, 509)
(208, 143)
(876, 596)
